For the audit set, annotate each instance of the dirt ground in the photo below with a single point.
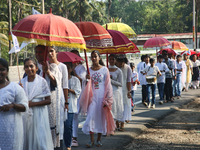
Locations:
(177, 131)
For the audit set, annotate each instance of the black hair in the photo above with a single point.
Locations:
(55, 48)
(164, 51)
(146, 56)
(121, 58)
(132, 65)
(142, 57)
(4, 63)
(31, 59)
(42, 46)
(152, 60)
(112, 55)
(69, 64)
(178, 56)
(126, 60)
(75, 51)
(160, 56)
(100, 61)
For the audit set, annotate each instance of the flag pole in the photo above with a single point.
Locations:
(194, 14)
(18, 68)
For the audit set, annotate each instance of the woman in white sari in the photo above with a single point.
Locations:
(13, 101)
(116, 81)
(36, 121)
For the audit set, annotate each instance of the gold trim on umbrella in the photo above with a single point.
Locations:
(58, 36)
(85, 36)
(51, 43)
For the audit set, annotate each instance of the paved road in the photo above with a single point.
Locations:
(141, 120)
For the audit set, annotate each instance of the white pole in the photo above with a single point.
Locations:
(42, 6)
(194, 14)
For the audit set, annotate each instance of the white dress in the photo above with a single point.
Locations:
(183, 77)
(117, 106)
(36, 121)
(11, 127)
(127, 74)
(96, 120)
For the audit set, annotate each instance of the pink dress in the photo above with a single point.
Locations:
(96, 119)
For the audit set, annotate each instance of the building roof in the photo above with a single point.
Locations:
(167, 36)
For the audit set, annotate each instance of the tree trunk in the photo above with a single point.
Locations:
(10, 28)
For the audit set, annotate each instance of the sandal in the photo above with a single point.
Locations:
(121, 129)
(90, 144)
(99, 144)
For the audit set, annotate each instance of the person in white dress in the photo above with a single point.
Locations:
(183, 77)
(195, 75)
(36, 121)
(101, 105)
(64, 92)
(126, 89)
(73, 94)
(134, 83)
(161, 79)
(116, 81)
(13, 101)
(139, 66)
(53, 78)
(79, 71)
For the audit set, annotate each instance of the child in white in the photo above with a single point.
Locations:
(161, 79)
(151, 71)
(73, 94)
(36, 121)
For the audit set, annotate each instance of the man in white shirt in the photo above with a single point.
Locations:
(142, 79)
(151, 71)
(161, 79)
(139, 66)
(177, 82)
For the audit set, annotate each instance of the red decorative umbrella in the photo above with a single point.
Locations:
(169, 51)
(96, 37)
(121, 44)
(68, 57)
(189, 52)
(156, 42)
(49, 30)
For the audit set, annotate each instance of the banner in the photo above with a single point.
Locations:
(15, 47)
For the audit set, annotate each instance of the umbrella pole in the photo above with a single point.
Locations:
(86, 60)
(45, 58)
(107, 59)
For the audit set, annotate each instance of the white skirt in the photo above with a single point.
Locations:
(37, 129)
(126, 114)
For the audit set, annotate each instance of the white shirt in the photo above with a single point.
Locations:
(142, 78)
(74, 84)
(134, 77)
(151, 71)
(139, 69)
(162, 67)
(178, 67)
(63, 69)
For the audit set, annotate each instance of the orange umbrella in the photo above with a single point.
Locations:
(178, 46)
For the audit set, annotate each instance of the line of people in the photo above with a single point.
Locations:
(42, 113)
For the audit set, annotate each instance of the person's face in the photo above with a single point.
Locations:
(120, 64)
(3, 73)
(52, 55)
(112, 60)
(194, 58)
(152, 63)
(39, 54)
(185, 57)
(146, 60)
(179, 59)
(30, 68)
(69, 68)
(133, 68)
(95, 58)
(165, 56)
(160, 60)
